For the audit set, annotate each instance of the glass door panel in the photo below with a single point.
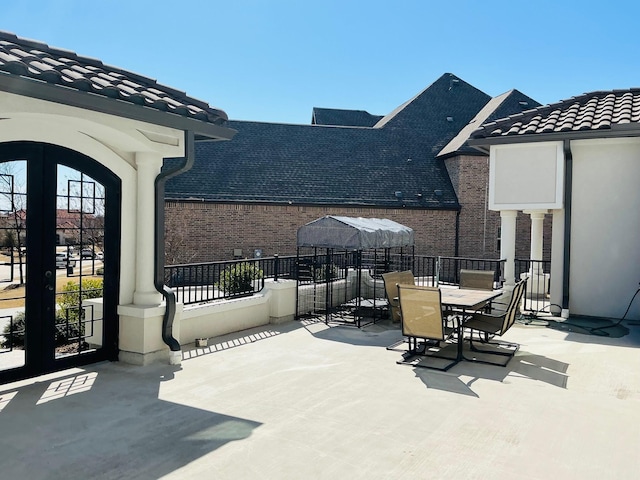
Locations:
(79, 251)
(13, 263)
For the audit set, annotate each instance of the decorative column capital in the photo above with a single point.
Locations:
(508, 213)
(147, 159)
(537, 214)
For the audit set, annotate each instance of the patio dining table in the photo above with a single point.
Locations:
(465, 300)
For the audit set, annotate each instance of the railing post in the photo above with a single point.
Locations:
(276, 267)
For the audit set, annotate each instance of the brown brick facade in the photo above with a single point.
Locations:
(202, 231)
(478, 225)
(208, 231)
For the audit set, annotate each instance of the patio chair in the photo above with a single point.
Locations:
(488, 325)
(391, 280)
(423, 319)
(477, 280)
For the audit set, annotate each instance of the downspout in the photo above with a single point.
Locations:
(167, 293)
(568, 182)
(457, 242)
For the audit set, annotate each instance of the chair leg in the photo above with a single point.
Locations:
(396, 344)
(421, 350)
(512, 349)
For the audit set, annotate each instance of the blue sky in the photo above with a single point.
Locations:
(274, 60)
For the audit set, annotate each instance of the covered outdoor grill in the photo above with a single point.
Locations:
(340, 260)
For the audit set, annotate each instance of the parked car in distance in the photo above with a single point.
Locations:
(100, 255)
(62, 261)
(87, 253)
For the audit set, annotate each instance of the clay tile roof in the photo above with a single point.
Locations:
(595, 111)
(38, 61)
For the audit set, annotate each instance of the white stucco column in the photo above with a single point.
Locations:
(538, 280)
(148, 167)
(508, 244)
(537, 229)
(557, 262)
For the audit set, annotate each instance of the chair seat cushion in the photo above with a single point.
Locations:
(484, 323)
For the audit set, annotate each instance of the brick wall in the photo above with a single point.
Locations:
(203, 231)
(478, 226)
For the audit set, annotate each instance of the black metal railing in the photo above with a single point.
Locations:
(209, 281)
(449, 268)
(538, 286)
(431, 271)
(204, 282)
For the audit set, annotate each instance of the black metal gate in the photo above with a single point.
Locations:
(59, 267)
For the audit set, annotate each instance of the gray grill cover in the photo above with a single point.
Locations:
(354, 233)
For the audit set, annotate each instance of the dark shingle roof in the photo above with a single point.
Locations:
(591, 112)
(391, 165)
(446, 106)
(343, 118)
(310, 164)
(34, 60)
(498, 107)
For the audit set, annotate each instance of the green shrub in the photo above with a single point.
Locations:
(71, 297)
(238, 278)
(70, 314)
(14, 332)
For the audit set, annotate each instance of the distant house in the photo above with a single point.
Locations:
(412, 166)
(579, 160)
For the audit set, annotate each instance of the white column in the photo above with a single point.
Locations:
(537, 229)
(508, 244)
(557, 262)
(148, 166)
(538, 280)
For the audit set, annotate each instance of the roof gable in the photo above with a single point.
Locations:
(446, 106)
(392, 165)
(508, 103)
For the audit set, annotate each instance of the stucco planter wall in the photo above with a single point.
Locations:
(275, 304)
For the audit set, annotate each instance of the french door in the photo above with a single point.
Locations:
(59, 260)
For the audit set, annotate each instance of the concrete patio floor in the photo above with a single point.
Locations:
(302, 400)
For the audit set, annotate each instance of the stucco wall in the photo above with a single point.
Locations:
(605, 227)
(479, 226)
(527, 176)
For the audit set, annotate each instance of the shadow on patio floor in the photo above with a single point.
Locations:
(106, 421)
